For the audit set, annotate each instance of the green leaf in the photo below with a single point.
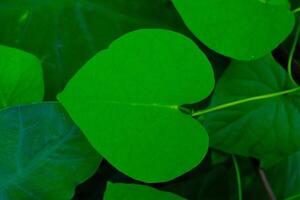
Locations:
(285, 177)
(21, 78)
(126, 101)
(116, 191)
(64, 34)
(265, 129)
(211, 183)
(43, 154)
(241, 29)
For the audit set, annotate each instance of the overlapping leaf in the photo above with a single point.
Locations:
(241, 29)
(126, 101)
(265, 129)
(64, 34)
(43, 154)
(21, 78)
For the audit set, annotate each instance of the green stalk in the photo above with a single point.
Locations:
(291, 56)
(242, 101)
(238, 177)
(295, 197)
(296, 10)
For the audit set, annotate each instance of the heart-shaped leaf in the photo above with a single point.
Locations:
(21, 77)
(126, 101)
(266, 129)
(241, 29)
(43, 154)
(64, 34)
(116, 191)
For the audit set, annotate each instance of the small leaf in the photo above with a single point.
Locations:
(43, 154)
(118, 191)
(265, 129)
(126, 101)
(241, 29)
(21, 78)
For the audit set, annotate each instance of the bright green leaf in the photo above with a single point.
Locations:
(64, 34)
(118, 191)
(43, 154)
(126, 101)
(21, 78)
(265, 129)
(241, 29)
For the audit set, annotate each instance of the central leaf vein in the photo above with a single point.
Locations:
(138, 104)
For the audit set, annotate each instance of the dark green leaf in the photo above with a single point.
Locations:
(217, 182)
(43, 154)
(264, 129)
(64, 34)
(126, 101)
(285, 177)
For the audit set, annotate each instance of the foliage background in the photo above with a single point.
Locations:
(65, 34)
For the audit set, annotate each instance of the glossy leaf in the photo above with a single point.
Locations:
(43, 154)
(64, 34)
(241, 29)
(116, 191)
(265, 129)
(127, 100)
(21, 78)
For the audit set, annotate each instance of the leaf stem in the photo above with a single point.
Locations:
(291, 55)
(296, 10)
(266, 184)
(290, 73)
(242, 101)
(294, 197)
(238, 177)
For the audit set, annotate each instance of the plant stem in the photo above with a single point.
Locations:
(266, 184)
(294, 197)
(238, 177)
(291, 55)
(296, 10)
(242, 101)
